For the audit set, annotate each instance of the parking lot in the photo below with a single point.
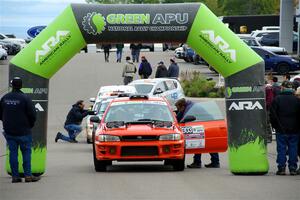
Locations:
(70, 172)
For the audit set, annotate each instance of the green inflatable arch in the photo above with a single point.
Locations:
(81, 24)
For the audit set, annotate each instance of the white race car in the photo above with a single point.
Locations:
(160, 87)
(113, 90)
(99, 109)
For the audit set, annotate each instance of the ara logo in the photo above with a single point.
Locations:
(51, 44)
(246, 105)
(221, 43)
(39, 108)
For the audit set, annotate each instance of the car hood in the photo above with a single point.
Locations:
(140, 129)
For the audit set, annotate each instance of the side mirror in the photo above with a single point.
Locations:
(95, 119)
(267, 56)
(188, 118)
(157, 91)
(92, 100)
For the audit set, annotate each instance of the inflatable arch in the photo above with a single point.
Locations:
(81, 24)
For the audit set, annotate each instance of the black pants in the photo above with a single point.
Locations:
(106, 56)
(127, 79)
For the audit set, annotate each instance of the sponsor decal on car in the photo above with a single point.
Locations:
(194, 137)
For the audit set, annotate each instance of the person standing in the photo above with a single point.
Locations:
(145, 69)
(285, 117)
(135, 52)
(73, 121)
(183, 106)
(119, 51)
(161, 70)
(173, 71)
(106, 48)
(18, 116)
(129, 71)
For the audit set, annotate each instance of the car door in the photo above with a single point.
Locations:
(171, 93)
(161, 86)
(208, 132)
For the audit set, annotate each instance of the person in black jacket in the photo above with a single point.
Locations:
(173, 71)
(18, 116)
(106, 48)
(145, 69)
(161, 70)
(285, 117)
(73, 121)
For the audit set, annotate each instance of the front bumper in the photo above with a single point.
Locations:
(146, 151)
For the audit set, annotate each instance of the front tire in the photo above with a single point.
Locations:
(178, 165)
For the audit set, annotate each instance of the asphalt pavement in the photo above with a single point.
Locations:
(70, 172)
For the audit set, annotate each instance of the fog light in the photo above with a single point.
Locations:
(166, 149)
(112, 150)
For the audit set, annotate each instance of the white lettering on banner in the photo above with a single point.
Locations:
(222, 44)
(39, 108)
(49, 44)
(245, 105)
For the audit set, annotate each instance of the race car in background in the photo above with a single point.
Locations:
(160, 87)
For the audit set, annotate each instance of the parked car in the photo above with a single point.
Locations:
(160, 87)
(11, 48)
(271, 38)
(253, 42)
(19, 41)
(277, 63)
(3, 53)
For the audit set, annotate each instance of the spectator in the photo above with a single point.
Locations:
(119, 51)
(276, 86)
(135, 52)
(297, 93)
(183, 107)
(285, 117)
(73, 121)
(161, 70)
(145, 69)
(129, 71)
(106, 48)
(18, 116)
(286, 77)
(173, 71)
(269, 98)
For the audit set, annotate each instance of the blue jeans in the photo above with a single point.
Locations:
(25, 143)
(73, 131)
(214, 157)
(119, 55)
(287, 144)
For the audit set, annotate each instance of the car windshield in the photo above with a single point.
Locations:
(139, 111)
(205, 111)
(143, 88)
(251, 42)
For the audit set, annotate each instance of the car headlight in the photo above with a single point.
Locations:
(174, 136)
(109, 138)
(296, 61)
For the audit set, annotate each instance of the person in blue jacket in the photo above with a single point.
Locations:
(73, 122)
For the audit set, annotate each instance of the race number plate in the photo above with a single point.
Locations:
(194, 137)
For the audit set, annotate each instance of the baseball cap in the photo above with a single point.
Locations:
(161, 63)
(16, 83)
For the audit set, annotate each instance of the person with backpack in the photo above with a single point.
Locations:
(129, 71)
(161, 70)
(145, 69)
(173, 71)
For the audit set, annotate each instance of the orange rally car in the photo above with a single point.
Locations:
(139, 128)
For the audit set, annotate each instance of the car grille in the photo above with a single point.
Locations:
(139, 151)
(134, 138)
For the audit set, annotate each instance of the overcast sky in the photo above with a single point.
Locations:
(17, 16)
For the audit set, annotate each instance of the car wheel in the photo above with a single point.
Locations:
(178, 165)
(283, 68)
(100, 165)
